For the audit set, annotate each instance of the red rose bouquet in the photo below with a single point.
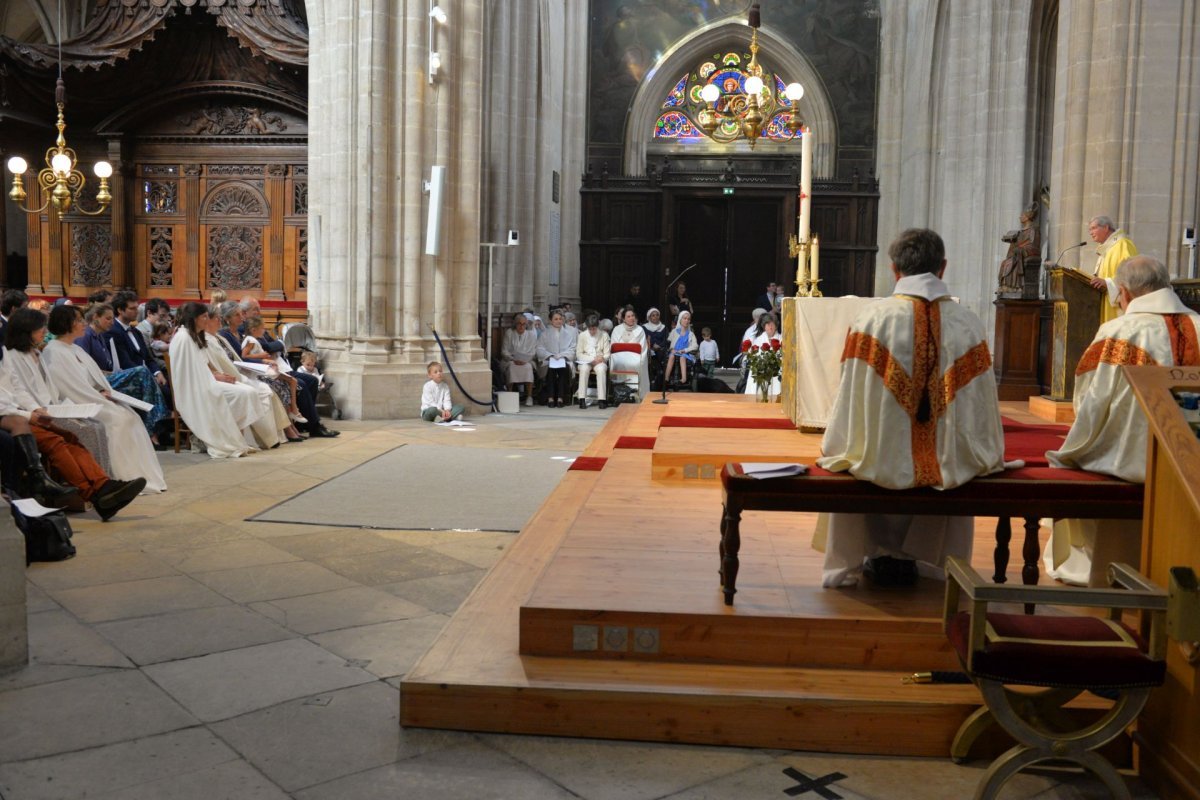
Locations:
(766, 362)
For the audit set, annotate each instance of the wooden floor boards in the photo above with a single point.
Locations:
(604, 619)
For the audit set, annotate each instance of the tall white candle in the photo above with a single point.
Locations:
(806, 158)
(816, 253)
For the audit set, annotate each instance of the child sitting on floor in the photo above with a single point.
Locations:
(710, 356)
(435, 397)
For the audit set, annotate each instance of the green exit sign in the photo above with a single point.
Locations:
(728, 190)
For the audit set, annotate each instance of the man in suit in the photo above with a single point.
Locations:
(9, 302)
(767, 299)
(127, 341)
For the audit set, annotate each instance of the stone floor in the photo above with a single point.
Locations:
(188, 653)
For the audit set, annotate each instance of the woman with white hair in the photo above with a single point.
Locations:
(556, 349)
(519, 350)
(683, 346)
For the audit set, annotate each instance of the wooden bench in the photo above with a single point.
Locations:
(1028, 492)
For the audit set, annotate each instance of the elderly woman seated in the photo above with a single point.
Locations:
(556, 349)
(135, 381)
(518, 351)
(683, 346)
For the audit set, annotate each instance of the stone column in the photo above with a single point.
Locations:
(377, 127)
(954, 104)
(1127, 124)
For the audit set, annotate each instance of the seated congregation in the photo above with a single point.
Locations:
(86, 396)
(559, 363)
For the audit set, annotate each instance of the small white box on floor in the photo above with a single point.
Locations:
(508, 402)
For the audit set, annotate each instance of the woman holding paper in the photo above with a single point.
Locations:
(556, 349)
(274, 427)
(77, 379)
(25, 379)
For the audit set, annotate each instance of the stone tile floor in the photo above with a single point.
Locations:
(188, 653)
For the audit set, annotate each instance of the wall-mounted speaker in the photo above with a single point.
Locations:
(433, 227)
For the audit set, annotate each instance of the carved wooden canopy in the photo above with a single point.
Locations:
(273, 29)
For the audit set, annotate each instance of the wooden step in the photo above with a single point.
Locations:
(913, 645)
(701, 453)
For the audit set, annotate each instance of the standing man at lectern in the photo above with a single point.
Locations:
(1114, 247)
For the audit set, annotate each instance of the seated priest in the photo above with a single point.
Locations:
(916, 406)
(1110, 431)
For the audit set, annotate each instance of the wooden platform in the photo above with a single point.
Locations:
(605, 619)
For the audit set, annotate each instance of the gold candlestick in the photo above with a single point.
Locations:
(799, 250)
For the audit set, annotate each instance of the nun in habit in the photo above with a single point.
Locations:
(23, 375)
(75, 376)
(217, 408)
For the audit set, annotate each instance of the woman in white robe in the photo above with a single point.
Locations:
(770, 333)
(215, 407)
(269, 430)
(79, 380)
(24, 376)
(629, 332)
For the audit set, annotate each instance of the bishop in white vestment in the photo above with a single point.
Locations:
(916, 406)
(1110, 431)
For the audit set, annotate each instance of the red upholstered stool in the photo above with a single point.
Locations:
(1066, 655)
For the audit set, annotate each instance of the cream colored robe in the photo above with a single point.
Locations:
(269, 428)
(1110, 432)
(216, 412)
(1109, 255)
(635, 335)
(875, 432)
(77, 378)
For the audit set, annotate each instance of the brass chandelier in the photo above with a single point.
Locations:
(60, 178)
(752, 121)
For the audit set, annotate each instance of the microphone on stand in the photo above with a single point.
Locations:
(662, 401)
(1058, 260)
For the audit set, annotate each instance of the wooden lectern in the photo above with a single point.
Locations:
(1076, 318)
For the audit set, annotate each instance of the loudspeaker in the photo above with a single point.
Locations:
(433, 227)
(512, 238)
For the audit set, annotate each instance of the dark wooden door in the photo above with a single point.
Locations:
(737, 245)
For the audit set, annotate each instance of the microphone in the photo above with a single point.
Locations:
(1065, 249)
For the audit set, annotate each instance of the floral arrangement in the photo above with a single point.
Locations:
(765, 360)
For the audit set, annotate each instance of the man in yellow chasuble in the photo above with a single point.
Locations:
(1110, 431)
(916, 406)
(1114, 247)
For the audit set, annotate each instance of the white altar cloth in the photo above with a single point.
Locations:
(821, 325)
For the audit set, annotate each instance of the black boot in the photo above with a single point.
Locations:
(35, 482)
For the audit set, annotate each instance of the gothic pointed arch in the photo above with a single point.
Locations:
(777, 55)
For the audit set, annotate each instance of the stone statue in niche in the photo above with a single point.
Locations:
(1024, 246)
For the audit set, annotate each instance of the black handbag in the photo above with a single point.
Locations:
(47, 538)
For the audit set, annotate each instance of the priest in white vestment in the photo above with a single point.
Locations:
(1110, 431)
(216, 409)
(78, 379)
(916, 406)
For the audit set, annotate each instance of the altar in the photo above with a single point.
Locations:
(814, 329)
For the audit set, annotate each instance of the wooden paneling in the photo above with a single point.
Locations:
(1168, 731)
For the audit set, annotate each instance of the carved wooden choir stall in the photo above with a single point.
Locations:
(202, 110)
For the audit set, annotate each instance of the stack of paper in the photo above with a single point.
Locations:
(772, 469)
(73, 410)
